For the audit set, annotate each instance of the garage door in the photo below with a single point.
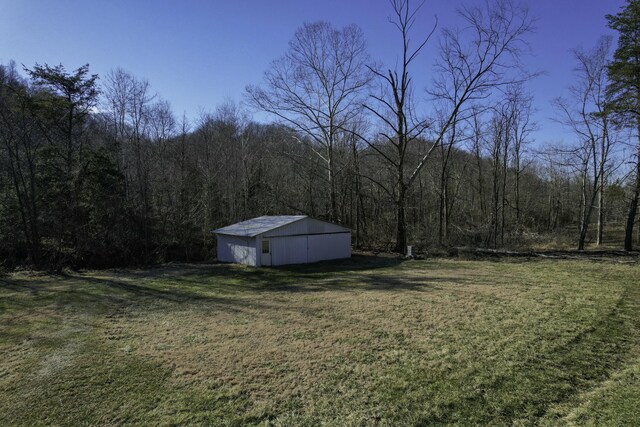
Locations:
(329, 246)
(288, 250)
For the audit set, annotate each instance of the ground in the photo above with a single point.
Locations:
(368, 341)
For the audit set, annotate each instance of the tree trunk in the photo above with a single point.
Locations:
(442, 223)
(600, 209)
(333, 212)
(356, 168)
(583, 211)
(444, 190)
(483, 207)
(504, 188)
(496, 198)
(401, 239)
(633, 206)
(517, 188)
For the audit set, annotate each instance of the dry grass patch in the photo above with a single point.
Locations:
(365, 342)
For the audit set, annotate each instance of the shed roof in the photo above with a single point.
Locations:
(259, 225)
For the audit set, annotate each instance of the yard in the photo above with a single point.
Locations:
(367, 341)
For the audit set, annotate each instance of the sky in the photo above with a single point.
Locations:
(198, 54)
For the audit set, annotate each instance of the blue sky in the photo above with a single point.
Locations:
(196, 54)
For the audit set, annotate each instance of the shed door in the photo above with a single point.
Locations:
(288, 250)
(329, 246)
(266, 252)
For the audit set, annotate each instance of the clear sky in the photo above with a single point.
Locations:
(196, 54)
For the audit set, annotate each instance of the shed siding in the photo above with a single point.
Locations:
(317, 226)
(237, 249)
(305, 226)
(295, 228)
(328, 246)
(300, 241)
(288, 250)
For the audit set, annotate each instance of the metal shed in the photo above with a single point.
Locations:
(281, 240)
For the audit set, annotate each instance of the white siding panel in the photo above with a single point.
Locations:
(315, 226)
(302, 241)
(237, 249)
(288, 250)
(306, 226)
(329, 246)
(295, 228)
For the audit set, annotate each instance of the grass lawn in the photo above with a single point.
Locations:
(369, 341)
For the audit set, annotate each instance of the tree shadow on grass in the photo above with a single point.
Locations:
(100, 295)
(212, 286)
(360, 273)
(353, 264)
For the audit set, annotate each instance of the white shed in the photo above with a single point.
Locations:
(281, 240)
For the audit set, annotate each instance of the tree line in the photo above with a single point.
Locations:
(99, 171)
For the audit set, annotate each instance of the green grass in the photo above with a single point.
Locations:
(370, 341)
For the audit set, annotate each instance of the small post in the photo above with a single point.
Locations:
(409, 251)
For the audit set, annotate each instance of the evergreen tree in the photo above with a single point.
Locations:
(624, 90)
(61, 106)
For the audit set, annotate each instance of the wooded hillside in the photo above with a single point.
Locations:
(99, 171)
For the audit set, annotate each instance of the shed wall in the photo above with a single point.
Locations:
(328, 246)
(288, 250)
(237, 249)
(310, 248)
(302, 241)
(305, 226)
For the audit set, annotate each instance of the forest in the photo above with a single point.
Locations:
(99, 171)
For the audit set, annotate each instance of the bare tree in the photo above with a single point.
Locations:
(500, 144)
(393, 107)
(130, 102)
(473, 61)
(522, 129)
(316, 86)
(589, 120)
(477, 148)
